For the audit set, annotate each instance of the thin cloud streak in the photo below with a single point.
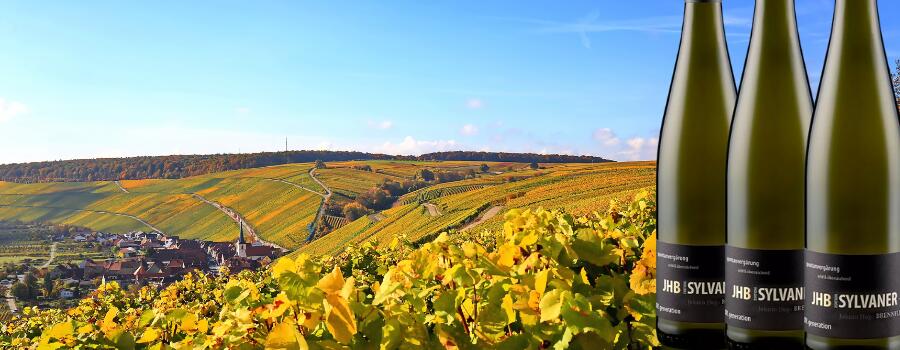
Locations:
(654, 25)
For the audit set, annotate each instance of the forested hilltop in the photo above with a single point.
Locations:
(181, 166)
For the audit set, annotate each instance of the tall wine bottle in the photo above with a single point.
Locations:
(691, 184)
(852, 263)
(766, 187)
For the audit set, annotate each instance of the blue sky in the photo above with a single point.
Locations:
(82, 79)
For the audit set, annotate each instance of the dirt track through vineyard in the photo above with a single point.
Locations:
(433, 210)
(118, 183)
(234, 215)
(487, 215)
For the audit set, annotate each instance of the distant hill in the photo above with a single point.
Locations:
(181, 166)
(510, 157)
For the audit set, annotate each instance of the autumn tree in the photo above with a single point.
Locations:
(375, 199)
(20, 291)
(896, 81)
(354, 210)
(425, 175)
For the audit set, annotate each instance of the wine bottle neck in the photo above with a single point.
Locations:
(703, 32)
(774, 29)
(773, 13)
(856, 30)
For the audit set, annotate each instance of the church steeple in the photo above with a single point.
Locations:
(240, 247)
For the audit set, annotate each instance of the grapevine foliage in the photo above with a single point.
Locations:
(549, 280)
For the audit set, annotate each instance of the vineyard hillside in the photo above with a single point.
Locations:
(284, 203)
(581, 189)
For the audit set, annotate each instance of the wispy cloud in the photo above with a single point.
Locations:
(606, 137)
(474, 103)
(634, 148)
(381, 125)
(243, 110)
(469, 130)
(411, 146)
(10, 109)
(640, 148)
(592, 23)
(555, 94)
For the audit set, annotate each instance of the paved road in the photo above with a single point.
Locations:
(485, 216)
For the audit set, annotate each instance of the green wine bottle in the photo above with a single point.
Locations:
(852, 262)
(766, 187)
(691, 185)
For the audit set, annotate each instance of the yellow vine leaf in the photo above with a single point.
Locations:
(507, 306)
(60, 332)
(551, 305)
(339, 319)
(332, 283)
(150, 335)
(285, 336)
(540, 281)
(109, 323)
(507, 254)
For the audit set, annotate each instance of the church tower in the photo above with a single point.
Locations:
(240, 247)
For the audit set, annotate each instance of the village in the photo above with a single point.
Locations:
(139, 259)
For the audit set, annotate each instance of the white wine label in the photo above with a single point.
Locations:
(764, 289)
(690, 283)
(852, 296)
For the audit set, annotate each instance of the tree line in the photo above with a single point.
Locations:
(180, 166)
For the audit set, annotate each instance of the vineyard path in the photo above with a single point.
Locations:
(135, 218)
(234, 215)
(433, 210)
(11, 302)
(325, 199)
(52, 256)
(121, 187)
(487, 215)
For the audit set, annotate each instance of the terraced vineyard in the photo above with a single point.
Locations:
(351, 182)
(361, 230)
(581, 189)
(431, 193)
(279, 212)
(335, 222)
